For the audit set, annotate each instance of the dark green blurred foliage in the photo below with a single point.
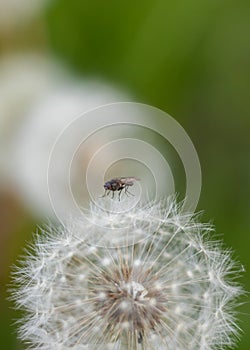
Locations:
(169, 53)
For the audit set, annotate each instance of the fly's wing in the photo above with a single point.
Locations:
(129, 181)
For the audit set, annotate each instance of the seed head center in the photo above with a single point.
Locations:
(134, 290)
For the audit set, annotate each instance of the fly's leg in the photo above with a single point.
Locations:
(106, 193)
(119, 195)
(140, 338)
(127, 192)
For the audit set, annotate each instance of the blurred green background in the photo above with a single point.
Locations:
(190, 59)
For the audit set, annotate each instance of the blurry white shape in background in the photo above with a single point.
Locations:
(34, 139)
(17, 12)
(24, 79)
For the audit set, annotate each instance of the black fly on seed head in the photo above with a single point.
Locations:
(119, 184)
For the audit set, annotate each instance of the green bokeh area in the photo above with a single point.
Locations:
(192, 60)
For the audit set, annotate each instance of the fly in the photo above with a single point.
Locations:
(119, 184)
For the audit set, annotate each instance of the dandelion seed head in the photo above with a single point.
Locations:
(170, 288)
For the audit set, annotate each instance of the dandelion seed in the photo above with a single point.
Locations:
(174, 289)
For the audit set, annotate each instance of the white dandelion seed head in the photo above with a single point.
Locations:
(135, 296)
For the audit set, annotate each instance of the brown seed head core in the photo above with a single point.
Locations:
(129, 298)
